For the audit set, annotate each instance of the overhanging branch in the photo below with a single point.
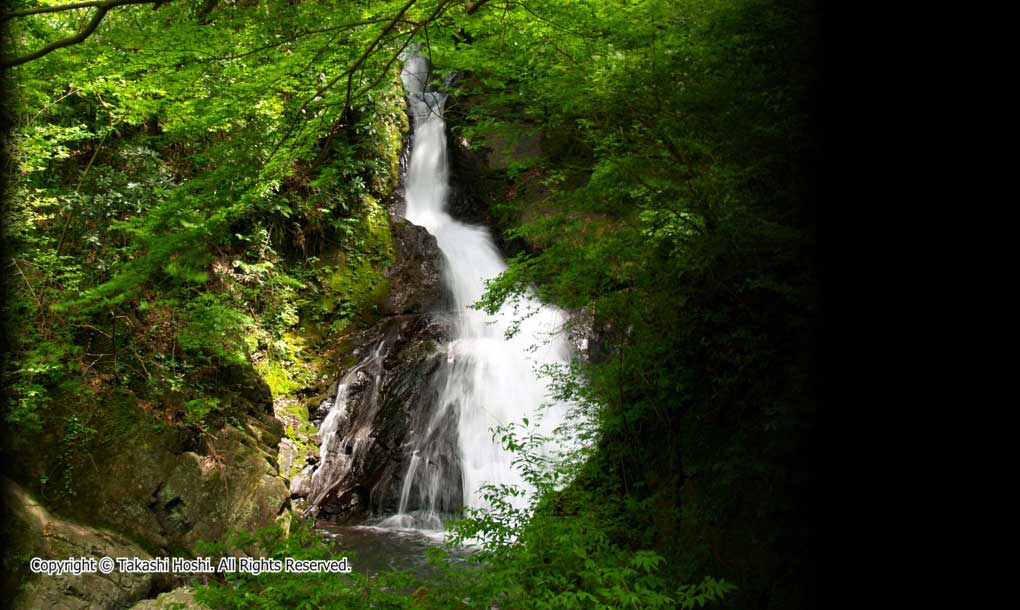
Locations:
(102, 8)
(471, 7)
(38, 10)
(349, 72)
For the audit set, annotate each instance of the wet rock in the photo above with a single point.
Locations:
(466, 200)
(414, 277)
(299, 486)
(361, 474)
(318, 414)
(590, 337)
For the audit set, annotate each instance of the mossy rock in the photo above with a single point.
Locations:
(168, 495)
(33, 531)
(182, 598)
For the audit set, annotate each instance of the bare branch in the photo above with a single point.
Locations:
(368, 52)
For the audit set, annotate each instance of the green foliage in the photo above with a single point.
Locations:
(176, 186)
(671, 203)
(214, 330)
(196, 410)
(289, 590)
(75, 443)
(44, 366)
(535, 554)
(169, 195)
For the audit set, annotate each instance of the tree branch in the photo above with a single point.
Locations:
(368, 52)
(101, 9)
(471, 7)
(349, 72)
(38, 10)
(335, 28)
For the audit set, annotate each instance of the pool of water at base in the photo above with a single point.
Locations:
(371, 549)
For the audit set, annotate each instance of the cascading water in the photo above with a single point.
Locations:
(491, 380)
(410, 431)
(338, 453)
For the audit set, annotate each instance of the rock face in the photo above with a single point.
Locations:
(165, 486)
(384, 399)
(414, 277)
(467, 173)
(475, 182)
(168, 496)
(35, 532)
(364, 447)
(178, 599)
(235, 485)
(389, 390)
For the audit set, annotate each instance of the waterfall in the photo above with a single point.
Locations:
(412, 434)
(490, 380)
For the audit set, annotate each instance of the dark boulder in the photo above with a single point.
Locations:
(386, 395)
(414, 277)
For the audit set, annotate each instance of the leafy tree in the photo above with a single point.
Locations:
(191, 187)
(673, 202)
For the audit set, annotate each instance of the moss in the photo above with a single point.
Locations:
(295, 367)
(391, 124)
(297, 410)
(298, 432)
(393, 136)
(418, 350)
(355, 284)
(300, 412)
(380, 239)
(276, 377)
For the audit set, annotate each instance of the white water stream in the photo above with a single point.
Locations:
(492, 380)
